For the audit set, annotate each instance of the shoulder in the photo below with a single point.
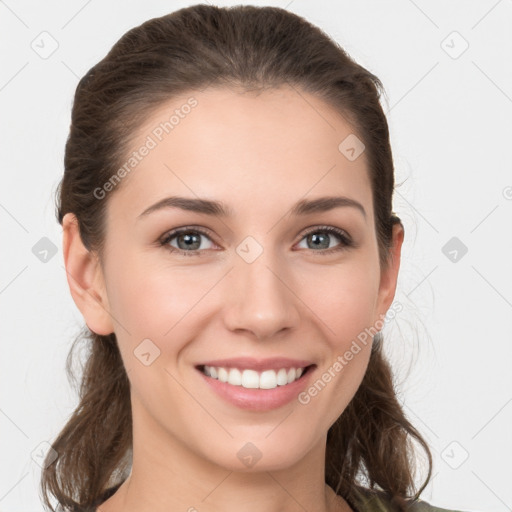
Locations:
(369, 500)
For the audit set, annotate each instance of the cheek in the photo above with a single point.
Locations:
(156, 304)
(149, 300)
(343, 299)
(343, 306)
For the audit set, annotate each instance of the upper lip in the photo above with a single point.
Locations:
(249, 363)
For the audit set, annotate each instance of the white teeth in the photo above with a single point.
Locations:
(251, 379)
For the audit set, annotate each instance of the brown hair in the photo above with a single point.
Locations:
(252, 48)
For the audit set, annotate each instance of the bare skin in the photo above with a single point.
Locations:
(118, 502)
(258, 154)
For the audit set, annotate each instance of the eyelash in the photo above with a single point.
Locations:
(345, 240)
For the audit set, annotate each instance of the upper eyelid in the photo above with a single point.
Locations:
(207, 232)
(185, 229)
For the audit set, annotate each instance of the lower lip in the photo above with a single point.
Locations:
(259, 399)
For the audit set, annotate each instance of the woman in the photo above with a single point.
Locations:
(229, 239)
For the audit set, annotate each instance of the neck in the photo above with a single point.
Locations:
(166, 475)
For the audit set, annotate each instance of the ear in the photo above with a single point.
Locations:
(389, 275)
(85, 279)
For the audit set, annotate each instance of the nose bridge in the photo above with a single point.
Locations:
(260, 297)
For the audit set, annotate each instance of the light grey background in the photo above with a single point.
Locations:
(449, 110)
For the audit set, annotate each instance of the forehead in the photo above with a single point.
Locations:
(245, 148)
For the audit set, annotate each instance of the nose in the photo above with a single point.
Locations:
(262, 299)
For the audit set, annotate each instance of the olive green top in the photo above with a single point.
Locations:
(377, 501)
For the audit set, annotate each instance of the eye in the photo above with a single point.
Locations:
(188, 240)
(321, 236)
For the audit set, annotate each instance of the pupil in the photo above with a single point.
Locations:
(316, 240)
(189, 240)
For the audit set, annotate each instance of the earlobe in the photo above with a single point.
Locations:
(85, 279)
(389, 275)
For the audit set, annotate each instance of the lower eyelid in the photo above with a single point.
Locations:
(171, 236)
(344, 239)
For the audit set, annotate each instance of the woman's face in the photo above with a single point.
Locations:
(264, 281)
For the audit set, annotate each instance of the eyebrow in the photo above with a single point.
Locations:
(219, 209)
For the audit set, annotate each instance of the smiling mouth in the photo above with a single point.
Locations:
(251, 379)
